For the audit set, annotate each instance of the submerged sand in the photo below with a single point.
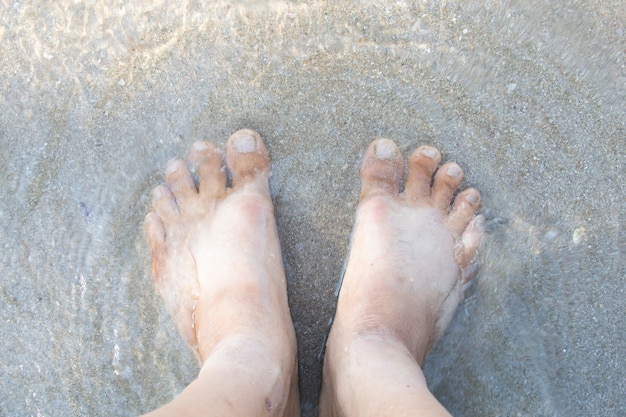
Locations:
(527, 96)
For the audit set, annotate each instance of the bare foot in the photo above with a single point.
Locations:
(410, 261)
(217, 264)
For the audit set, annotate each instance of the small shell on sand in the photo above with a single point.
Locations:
(579, 235)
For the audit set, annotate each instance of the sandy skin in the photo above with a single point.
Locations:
(217, 265)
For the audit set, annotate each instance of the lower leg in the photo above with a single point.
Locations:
(241, 377)
(217, 265)
(375, 377)
(410, 259)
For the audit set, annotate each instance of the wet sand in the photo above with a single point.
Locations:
(527, 98)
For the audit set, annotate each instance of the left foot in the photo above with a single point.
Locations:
(216, 256)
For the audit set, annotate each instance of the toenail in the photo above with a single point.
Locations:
(171, 167)
(385, 149)
(244, 143)
(157, 193)
(454, 171)
(430, 152)
(472, 198)
(201, 146)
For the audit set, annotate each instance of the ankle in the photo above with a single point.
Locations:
(386, 328)
(251, 376)
(364, 367)
(345, 348)
(277, 345)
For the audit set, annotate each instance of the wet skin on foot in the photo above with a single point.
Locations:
(411, 257)
(412, 252)
(217, 264)
(216, 257)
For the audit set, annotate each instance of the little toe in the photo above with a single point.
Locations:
(471, 240)
(463, 209)
(422, 165)
(164, 203)
(155, 232)
(180, 181)
(382, 168)
(155, 235)
(247, 159)
(211, 172)
(447, 180)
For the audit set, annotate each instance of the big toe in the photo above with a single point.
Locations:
(382, 168)
(247, 159)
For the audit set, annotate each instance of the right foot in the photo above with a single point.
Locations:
(411, 256)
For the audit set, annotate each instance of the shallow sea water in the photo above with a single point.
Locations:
(527, 96)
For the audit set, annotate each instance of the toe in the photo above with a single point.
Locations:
(382, 168)
(155, 235)
(199, 151)
(445, 184)
(155, 232)
(180, 181)
(164, 203)
(422, 165)
(465, 205)
(471, 239)
(211, 172)
(247, 159)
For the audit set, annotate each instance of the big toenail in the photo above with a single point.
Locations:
(472, 198)
(171, 167)
(429, 152)
(157, 193)
(454, 171)
(385, 149)
(244, 143)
